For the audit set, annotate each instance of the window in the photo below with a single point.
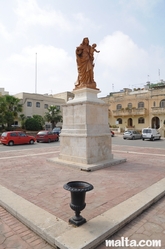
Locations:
(119, 121)
(46, 106)
(154, 104)
(37, 104)
(162, 103)
(58, 107)
(29, 103)
(13, 134)
(22, 134)
(118, 107)
(141, 120)
(129, 105)
(141, 105)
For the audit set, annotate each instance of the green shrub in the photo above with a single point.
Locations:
(32, 124)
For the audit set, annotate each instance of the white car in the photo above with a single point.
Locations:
(132, 134)
(149, 133)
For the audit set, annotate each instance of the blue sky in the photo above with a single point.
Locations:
(130, 35)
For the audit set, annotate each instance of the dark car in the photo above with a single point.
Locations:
(46, 136)
(16, 137)
(132, 134)
(57, 130)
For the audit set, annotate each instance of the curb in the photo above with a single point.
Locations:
(60, 234)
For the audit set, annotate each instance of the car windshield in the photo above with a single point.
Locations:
(56, 129)
(42, 132)
(4, 134)
(146, 131)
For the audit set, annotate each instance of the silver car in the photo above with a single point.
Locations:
(132, 134)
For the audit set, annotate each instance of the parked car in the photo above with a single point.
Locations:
(112, 134)
(16, 137)
(56, 130)
(132, 134)
(149, 133)
(46, 136)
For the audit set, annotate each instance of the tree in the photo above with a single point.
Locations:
(32, 124)
(2, 109)
(53, 115)
(40, 120)
(23, 119)
(9, 109)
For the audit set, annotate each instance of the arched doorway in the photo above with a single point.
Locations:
(155, 123)
(130, 122)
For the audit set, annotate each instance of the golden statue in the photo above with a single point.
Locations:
(85, 65)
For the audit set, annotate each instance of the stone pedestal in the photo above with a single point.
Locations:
(85, 140)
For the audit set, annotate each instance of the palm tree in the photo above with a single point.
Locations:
(10, 107)
(23, 119)
(53, 115)
(2, 109)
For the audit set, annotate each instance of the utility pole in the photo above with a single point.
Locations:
(36, 74)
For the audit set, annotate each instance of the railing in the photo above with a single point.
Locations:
(157, 110)
(129, 112)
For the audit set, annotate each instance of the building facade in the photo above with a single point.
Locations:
(3, 92)
(138, 108)
(37, 104)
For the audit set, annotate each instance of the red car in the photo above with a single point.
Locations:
(16, 137)
(46, 136)
(112, 134)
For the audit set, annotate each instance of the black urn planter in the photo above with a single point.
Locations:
(78, 191)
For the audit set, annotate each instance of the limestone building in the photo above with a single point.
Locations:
(3, 92)
(37, 104)
(138, 108)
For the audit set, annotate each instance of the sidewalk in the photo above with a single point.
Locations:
(41, 183)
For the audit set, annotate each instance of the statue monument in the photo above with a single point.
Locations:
(85, 140)
(85, 65)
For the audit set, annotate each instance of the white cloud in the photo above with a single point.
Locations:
(119, 52)
(29, 13)
(122, 63)
(54, 67)
(4, 33)
(141, 5)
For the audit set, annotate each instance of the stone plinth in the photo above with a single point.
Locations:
(85, 140)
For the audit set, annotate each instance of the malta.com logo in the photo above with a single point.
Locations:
(125, 242)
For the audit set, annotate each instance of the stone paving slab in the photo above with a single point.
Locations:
(30, 175)
(15, 235)
(59, 233)
(34, 179)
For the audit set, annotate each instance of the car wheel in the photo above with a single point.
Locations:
(143, 139)
(57, 139)
(49, 140)
(10, 143)
(31, 141)
(37, 141)
(133, 138)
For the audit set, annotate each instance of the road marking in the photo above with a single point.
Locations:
(15, 150)
(139, 153)
(13, 157)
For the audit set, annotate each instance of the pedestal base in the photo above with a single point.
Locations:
(85, 140)
(88, 167)
(77, 221)
(85, 136)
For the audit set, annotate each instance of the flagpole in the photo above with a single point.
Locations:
(36, 74)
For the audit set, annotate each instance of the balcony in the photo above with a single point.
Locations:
(157, 110)
(129, 112)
